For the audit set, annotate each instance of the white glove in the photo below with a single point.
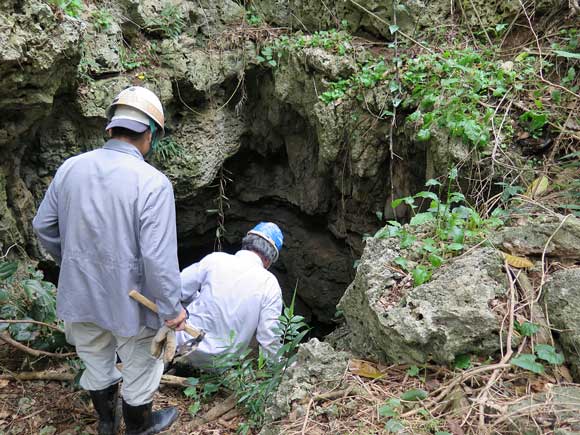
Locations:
(164, 342)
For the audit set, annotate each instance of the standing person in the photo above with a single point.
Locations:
(235, 296)
(108, 219)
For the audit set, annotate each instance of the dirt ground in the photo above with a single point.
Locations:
(57, 408)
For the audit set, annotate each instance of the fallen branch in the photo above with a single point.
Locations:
(216, 412)
(174, 381)
(34, 322)
(34, 352)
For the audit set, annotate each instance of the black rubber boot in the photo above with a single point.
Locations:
(106, 404)
(140, 420)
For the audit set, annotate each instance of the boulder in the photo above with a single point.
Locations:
(450, 315)
(562, 300)
(318, 368)
(532, 235)
(553, 411)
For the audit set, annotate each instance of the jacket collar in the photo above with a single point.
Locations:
(123, 147)
(250, 256)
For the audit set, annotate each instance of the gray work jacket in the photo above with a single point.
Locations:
(108, 219)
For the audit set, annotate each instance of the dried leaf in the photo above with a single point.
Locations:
(538, 187)
(517, 262)
(364, 368)
(3, 383)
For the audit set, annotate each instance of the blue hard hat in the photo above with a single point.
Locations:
(271, 233)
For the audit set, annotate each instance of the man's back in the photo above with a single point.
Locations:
(236, 294)
(102, 199)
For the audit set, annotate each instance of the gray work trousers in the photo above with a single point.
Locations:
(97, 348)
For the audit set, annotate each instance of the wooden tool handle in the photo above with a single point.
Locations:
(144, 300)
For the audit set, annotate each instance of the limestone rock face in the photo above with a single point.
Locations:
(532, 237)
(38, 56)
(436, 321)
(318, 368)
(374, 16)
(562, 298)
(558, 408)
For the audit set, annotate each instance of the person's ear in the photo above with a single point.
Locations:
(110, 132)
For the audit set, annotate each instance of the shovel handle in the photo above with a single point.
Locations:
(144, 300)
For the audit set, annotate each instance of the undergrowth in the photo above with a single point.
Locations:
(451, 223)
(24, 295)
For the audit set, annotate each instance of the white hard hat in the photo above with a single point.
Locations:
(133, 108)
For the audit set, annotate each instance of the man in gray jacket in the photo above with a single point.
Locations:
(108, 219)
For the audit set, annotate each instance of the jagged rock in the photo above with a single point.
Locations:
(9, 232)
(374, 16)
(39, 54)
(556, 409)
(531, 237)
(318, 368)
(436, 321)
(562, 298)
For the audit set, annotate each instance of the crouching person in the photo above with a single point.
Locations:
(235, 295)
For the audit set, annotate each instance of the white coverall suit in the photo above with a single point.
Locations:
(231, 293)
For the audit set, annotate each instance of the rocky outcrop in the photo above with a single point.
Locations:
(39, 53)
(450, 315)
(318, 368)
(555, 235)
(373, 16)
(555, 410)
(562, 300)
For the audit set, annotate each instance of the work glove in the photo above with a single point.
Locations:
(164, 342)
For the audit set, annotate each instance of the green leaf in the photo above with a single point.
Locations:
(387, 411)
(453, 173)
(420, 275)
(436, 260)
(527, 361)
(549, 354)
(194, 408)
(421, 218)
(567, 54)
(442, 433)
(527, 329)
(393, 28)
(462, 362)
(3, 295)
(260, 59)
(455, 246)
(413, 371)
(7, 269)
(429, 195)
(432, 182)
(424, 135)
(414, 395)
(402, 262)
(394, 426)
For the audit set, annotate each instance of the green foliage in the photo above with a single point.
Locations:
(414, 395)
(334, 41)
(25, 296)
(253, 380)
(526, 329)
(528, 361)
(170, 22)
(167, 149)
(462, 362)
(534, 121)
(102, 19)
(130, 60)
(544, 352)
(253, 18)
(452, 223)
(72, 8)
